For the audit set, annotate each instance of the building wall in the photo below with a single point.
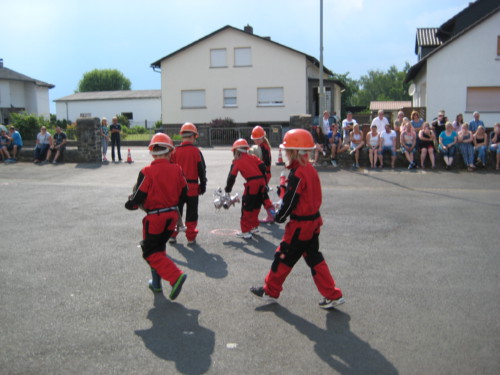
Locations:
(143, 109)
(17, 94)
(470, 60)
(272, 66)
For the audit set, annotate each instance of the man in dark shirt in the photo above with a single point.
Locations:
(115, 129)
(58, 146)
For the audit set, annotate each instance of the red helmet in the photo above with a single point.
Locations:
(189, 128)
(162, 140)
(240, 144)
(298, 139)
(258, 132)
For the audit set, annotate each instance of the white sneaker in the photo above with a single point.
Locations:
(246, 235)
(331, 303)
(254, 230)
(259, 292)
(334, 163)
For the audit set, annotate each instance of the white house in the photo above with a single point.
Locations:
(236, 74)
(20, 93)
(141, 107)
(460, 70)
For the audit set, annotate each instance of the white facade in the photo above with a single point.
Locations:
(471, 60)
(143, 106)
(238, 75)
(25, 96)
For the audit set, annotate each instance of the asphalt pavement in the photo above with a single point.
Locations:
(416, 254)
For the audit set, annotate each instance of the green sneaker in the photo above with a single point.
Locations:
(155, 290)
(176, 289)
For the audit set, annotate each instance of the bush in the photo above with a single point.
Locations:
(28, 124)
(158, 124)
(222, 123)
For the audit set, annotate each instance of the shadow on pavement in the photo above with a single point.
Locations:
(336, 345)
(176, 335)
(197, 259)
(256, 246)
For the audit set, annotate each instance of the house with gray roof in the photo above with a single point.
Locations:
(141, 107)
(20, 93)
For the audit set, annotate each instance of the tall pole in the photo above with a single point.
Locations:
(321, 90)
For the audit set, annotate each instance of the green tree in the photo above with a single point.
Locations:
(379, 85)
(351, 89)
(104, 80)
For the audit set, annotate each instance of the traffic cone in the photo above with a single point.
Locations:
(129, 157)
(280, 158)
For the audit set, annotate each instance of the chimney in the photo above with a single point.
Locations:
(1, 63)
(248, 29)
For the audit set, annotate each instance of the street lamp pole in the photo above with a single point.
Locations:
(321, 89)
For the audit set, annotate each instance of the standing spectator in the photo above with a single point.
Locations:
(387, 143)
(159, 189)
(301, 202)
(439, 124)
(409, 143)
(335, 139)
(15, 144)
(58, 145)
(4, 142)
(325, 124)
(357, 144)
(373, 145)
(191, 160)
(380, 121)
(347, 125)
(399, 121)
(426, 138)
(335, 118)
(495, 144)
(115, 129)
(447, 144)
(260, 139)
(253, 171)
(459, 121)
(480, 145)
(466, 146)
(43, 143)
(474, 124)
(104, 138)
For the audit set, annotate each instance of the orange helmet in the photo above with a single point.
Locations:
(162, 140)
(298, 139)
(189, 128)
(258, 132)
(240, 144)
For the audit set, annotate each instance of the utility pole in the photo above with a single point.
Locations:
(321, 89)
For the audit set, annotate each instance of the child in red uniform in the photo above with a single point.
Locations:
(301, 202)
(191, 160)
(159, 188)
(259, 137)
(253, 171)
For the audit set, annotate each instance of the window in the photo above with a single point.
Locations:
(243, 56)
(483, 99)
(218, 58)
(193, 99)
(270, 97)
(230, 98)
(128, 115)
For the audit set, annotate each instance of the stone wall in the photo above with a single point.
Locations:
(301, 121)
(89, 140)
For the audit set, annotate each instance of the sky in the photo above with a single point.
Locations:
(57, 41)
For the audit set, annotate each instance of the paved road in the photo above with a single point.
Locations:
(416, 254)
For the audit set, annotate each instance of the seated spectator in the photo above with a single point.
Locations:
(408, 144)
(387, 143)
(43, 143)
(459, 121)
(335, 141)
(466, 146)
(416, 121)
(319, 141)
(474, 124)
(357, 144)
(426, 145)
(447, 144)
(15, 144)
(4, 143)
(495, 144)
(373, 145)
(480, 146)
(439, 124)
(58, 145)
(399, 121)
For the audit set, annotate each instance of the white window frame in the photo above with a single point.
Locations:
(270, 97)
(483, 99)
(230, 98)
(218, 58)
(193, 99)
(242, 56)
